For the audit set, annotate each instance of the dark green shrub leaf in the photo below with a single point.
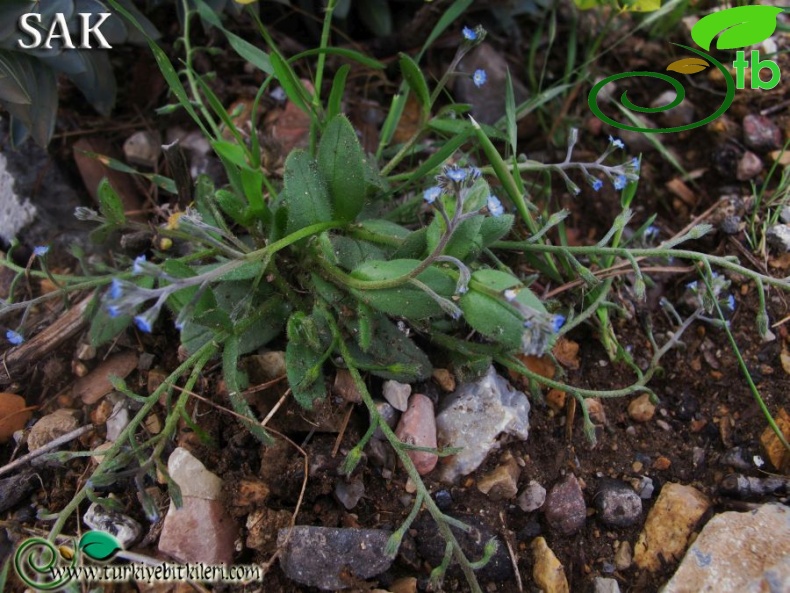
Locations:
(341, 161)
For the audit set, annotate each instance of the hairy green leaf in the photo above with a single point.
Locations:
(341, 161)
(306, 192)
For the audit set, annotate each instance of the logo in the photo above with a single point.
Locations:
(45, 567)
(41, 35)
(738, 27)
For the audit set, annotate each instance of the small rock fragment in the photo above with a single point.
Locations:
(555, 399)
(623, 556)
(143, 148)
(646, 488)
(532, 498)
(201, 530)
(641, 409)
(404, 585)
(778, 236)
(617, 504)
(781, 157)
(501, 483)
(669, 524)
(564, 507)
(96, 384)
(680, 115)
(773, 447)
(472, 418)
(125, 529)
(745, 552)
(547, 570)
(397, 394)
(388, 414)
(345, 387)
(760, 133)
(602, 585)
(266, 367)
(117, 421)
(322, 556)
(262, 527)
(52, 426)
(349, 493)
(444, 379)
(749, 166)
(417, 426)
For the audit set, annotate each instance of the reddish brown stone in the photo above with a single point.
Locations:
(417, 426)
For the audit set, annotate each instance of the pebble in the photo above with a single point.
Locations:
(745, 552)
(444, 379)
(345, 387)
(681, 115)
(201, 530)
(117, 421)
(143, 148)
(641, 409)
(737, 458)
(444, 500)
(749, 166)
(547, 571)
(96, 384)
(125, 529)
(349, 493)
(501, 483)
(404, 585)
(773, 447)
(52, 426)
(783, 158)
(669, 525)
(388, 414)
(262, 526)
(417, 426)
(662, 463)
(265, 367)
(646, 488)
(617, 504)
(602, 585)
(325, 557)
(663, 425)
(397, 394)
(564, 508)
(761, 134)
(778, 236)
(623, 557)
(532, 498)
(472, 419)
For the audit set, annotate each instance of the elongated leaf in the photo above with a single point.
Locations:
(306, 192)
(110, 203)
(235, 379)
(293, 87)
(23, 77)
(336, 94)
(416, 81)
(343, 52)
(254, 55)
(341, 162)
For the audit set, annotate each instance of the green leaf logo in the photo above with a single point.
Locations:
(739, 27)
(99, 545)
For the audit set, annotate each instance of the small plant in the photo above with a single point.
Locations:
(350, 249)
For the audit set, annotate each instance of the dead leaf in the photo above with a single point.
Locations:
(96, 384)
(688, 65)
(14, 414)
(681, 190)
(409, 121)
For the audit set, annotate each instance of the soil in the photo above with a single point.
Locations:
(706, 409)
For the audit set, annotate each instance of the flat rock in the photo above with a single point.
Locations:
(417, 426)
(321, 556)
(617, 504)
(52, 426)
(474, 416)
(201, 530)
(547, 570)
(669, 525)
(743, 552)
(564, 508)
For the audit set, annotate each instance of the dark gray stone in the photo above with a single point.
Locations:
(617, 504)
(564, 508)
(318, 556)
(760, 133)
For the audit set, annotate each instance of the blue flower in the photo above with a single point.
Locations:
(143, 323)
(116, 289)
(137, 267)
(495, 206)
(651, 232)
(510, 294)
(620, 181)
(597, 184)
(475, 173)
(479, 77)
(430, 194)
(557, 322)
(731, 303)
(469, 34)
(455, 173)
(14, 337)
(635, 163)
(113, 311)
(41, 250)
(616, 142)
(692, 285)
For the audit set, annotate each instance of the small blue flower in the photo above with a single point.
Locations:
(510, 294)
(113, 311)
(495, 206)
(137, 267)
(557, 322)
(143, 323)
(479, 77)
(14, 337)
(651, 232)
(731, 303)
(692, 286)
(116, 289)
(635, 163)
(41, 250)
(616, 142)
(430, 194)
(597, 184)
(620, 182)
(475, 173)
(456, 173)
(469, 34)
